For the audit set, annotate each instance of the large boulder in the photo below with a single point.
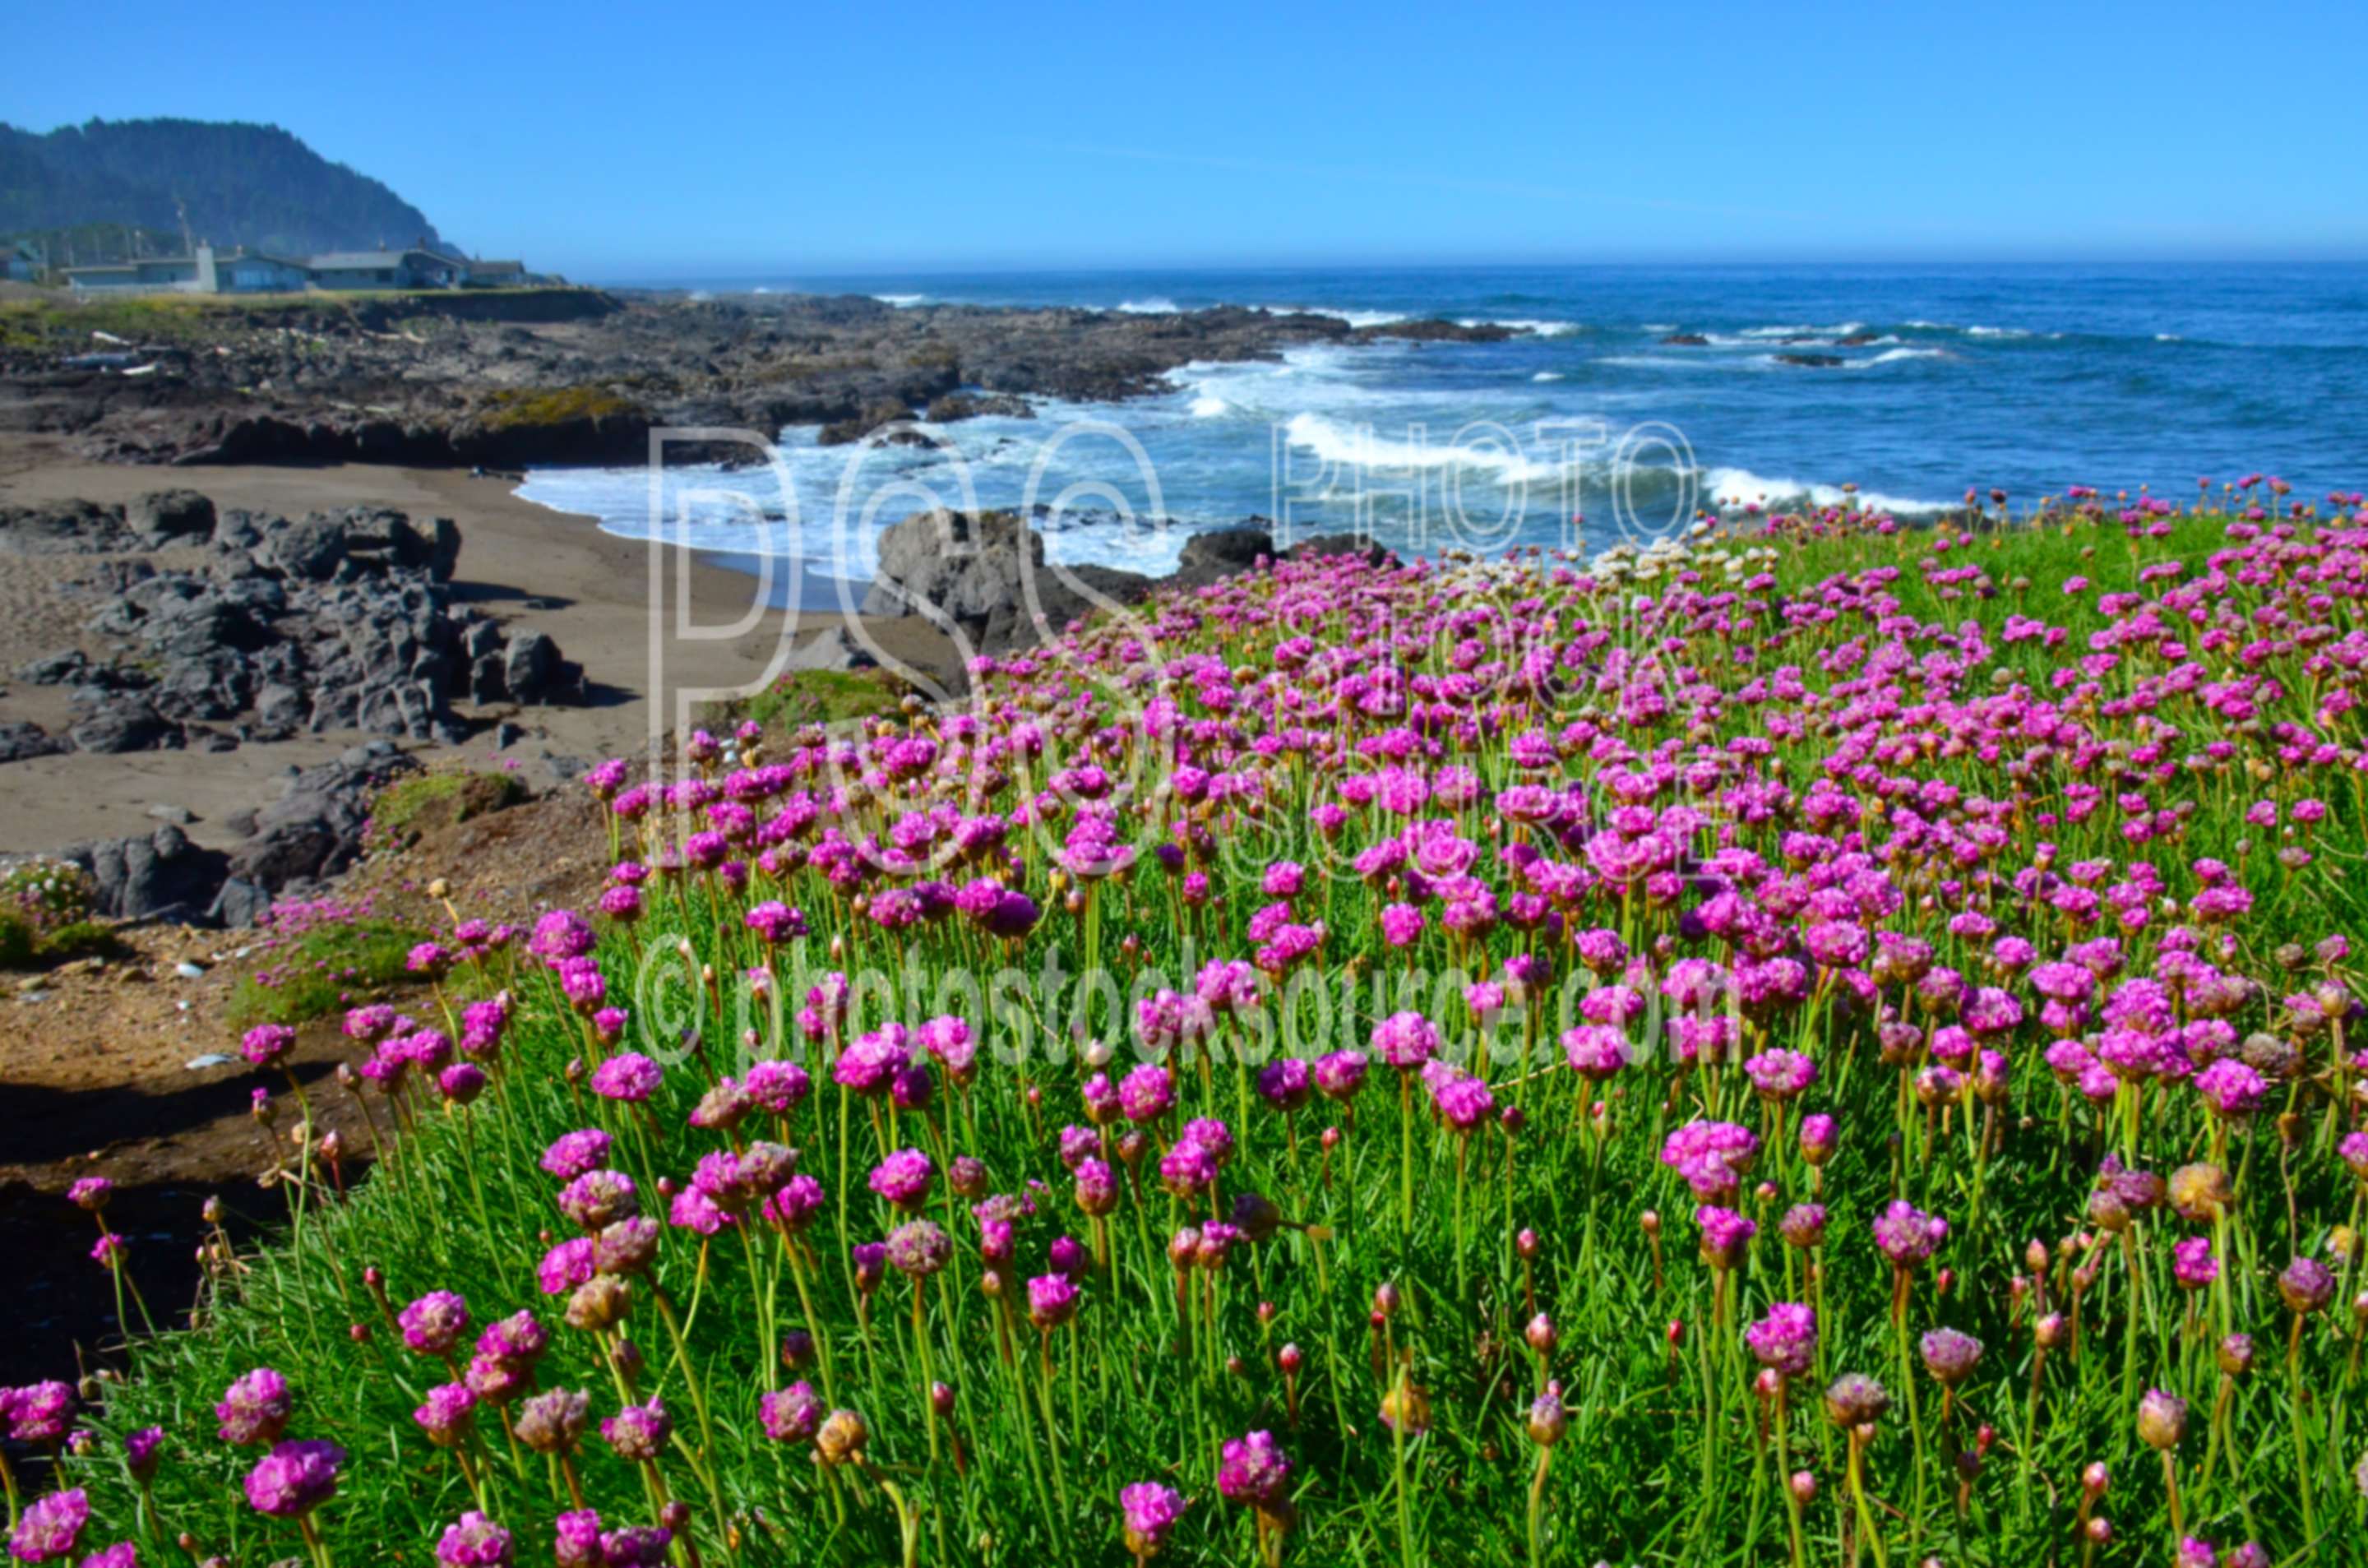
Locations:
(19, 741)
(311, 548)
(60, 668)
(314, 829)
(874, 415)
(125, 723)
(533, 671)
(985, 576)
(164, 517)
(1222, 553)
(962, 565)
(143, 879)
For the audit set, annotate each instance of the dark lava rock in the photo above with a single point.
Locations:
(145, 879)
(65, 666)
(873, 416)
(66, 528)
(126, 724)
(1811, 361)
(163, 517)
(314, 829)
(339, 620)
(1222, 553)
(532, 671)
(20, 740)
(1686, 340)
(983, 577)
(960, 405)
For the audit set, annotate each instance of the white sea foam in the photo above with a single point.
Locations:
(1209, 405)
(1841, 329)
(1761, 360)
(1157, 305)
(1547, 376)
(1365, 447)
(902, 302)
(1996, 332)
(1893, 355)
(2168, 337)
(1658, 326)
(1731, 488)
(1538, 327)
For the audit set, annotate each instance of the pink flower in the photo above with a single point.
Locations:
(1907, 1235)
(904, 1178)
(631, 1077)
(294, 1479)
(1405, 1041)
(1785, 1340)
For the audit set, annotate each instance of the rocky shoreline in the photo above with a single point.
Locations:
(215, 630)
(583, 375)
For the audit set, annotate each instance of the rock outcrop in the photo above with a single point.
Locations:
(983, 578)
(338, 621)
(313, 830)
(583, 377)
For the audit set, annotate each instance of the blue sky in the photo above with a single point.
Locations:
(617, 142)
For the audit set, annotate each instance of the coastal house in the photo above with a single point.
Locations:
(413, 267)
(420, 266)
(191, 274)
(253, 272)
(26, 262)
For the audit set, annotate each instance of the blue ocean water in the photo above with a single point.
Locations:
(1924, 381)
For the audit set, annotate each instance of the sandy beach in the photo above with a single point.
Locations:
(522, 562)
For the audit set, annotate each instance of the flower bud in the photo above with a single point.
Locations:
(1855, 1400)
(1547, 1420)
(841, 1438)
(2162, 1419)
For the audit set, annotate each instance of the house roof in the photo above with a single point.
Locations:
(497, 266)
(266, 255)
(357, 261)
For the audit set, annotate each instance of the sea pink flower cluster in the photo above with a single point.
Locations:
(1939, 927)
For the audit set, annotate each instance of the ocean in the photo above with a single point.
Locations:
(1911, 384)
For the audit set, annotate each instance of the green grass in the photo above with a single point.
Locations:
(442, 797)
(813, 697)
(325, 971)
